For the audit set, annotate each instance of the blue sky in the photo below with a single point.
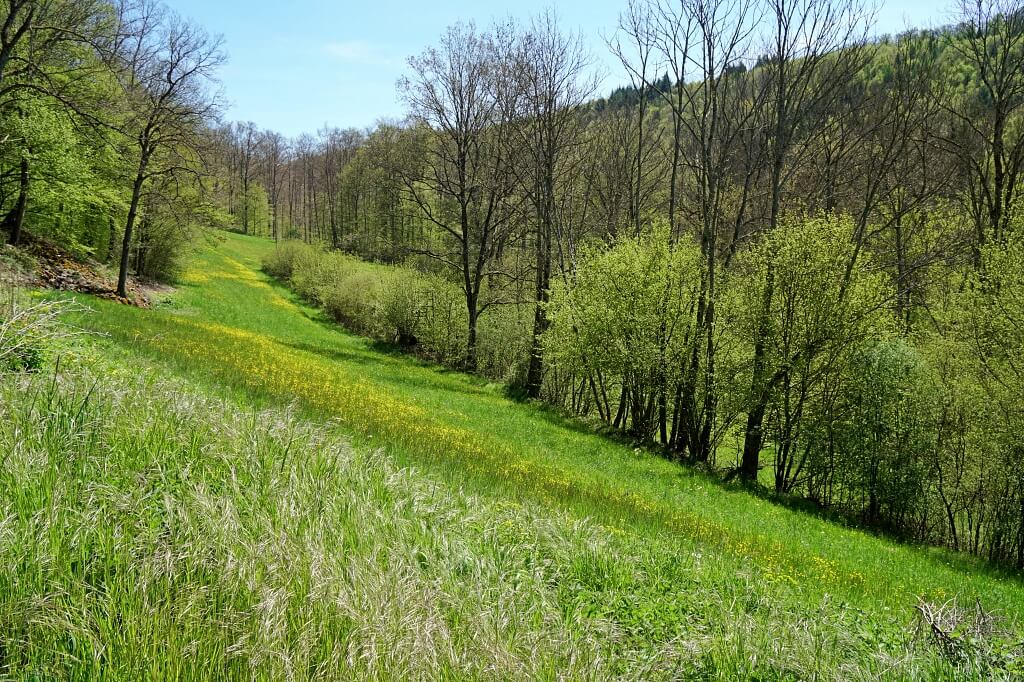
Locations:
(296, 66)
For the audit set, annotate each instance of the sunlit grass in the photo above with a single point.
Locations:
(681, 550)
(154, 531)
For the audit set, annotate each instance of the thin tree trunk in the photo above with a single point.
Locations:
(535, 373)
(17, 217)
(471, 359)
(111, 239)
(126, 243)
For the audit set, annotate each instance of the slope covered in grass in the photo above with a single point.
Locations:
(154, 531)
(529, 547)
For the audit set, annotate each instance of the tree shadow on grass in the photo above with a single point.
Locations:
(718, 478)
(391, 368)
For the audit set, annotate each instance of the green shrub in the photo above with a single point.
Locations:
(352, 298)
(28, 355)
(27, 330)
(280, 262)
(162, 251)
(405, 306)
(503, 346)
(443, 324)
(881, 436)
(401, 304)
(308, 273)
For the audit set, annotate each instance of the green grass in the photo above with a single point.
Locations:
(461, 535)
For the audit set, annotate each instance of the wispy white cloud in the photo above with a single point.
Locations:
(359, 52)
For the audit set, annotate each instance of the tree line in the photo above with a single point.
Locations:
(795, 260)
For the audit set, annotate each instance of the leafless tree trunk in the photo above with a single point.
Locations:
(463, 98)
(637, 55)
(247, 143)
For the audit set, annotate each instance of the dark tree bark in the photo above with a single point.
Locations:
(554, 90)
(129, 226)
(15, 220)
(165, 64)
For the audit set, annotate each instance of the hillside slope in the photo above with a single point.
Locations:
(588, 559)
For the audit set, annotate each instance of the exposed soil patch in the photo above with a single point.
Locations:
(52, 267)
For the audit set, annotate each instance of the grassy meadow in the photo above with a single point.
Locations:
(229, 486)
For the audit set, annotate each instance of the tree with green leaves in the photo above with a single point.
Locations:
(166, 66)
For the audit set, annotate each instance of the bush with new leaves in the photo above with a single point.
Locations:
(627, 316)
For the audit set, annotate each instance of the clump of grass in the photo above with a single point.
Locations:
(151, 532)
(28, 327)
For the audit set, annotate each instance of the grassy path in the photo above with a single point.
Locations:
(229, 325)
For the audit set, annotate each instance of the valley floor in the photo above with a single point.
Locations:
(229, 486)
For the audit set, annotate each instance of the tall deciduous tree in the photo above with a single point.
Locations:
(463, 99)
(555, 86)
(274, 149)
(167, 66)
(814, 49)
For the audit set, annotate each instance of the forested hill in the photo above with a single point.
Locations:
(938, 43)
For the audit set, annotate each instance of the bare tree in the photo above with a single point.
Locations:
(247, 142)
(337, 148)
(463, 100)
(986, 135)
(673, 33)
(17, 20)
(555, 85)
(305, 187)
(705, 40)
(274, 151)
(635, 46)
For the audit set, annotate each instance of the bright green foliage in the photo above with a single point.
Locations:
(394, 304)
(73, 185)
(519, 537)
(503, 345)
(826, 301)
(996, 323)
(879, 436)
(627, 309)
(992, 328)
(73, 94)
(627, 313)
(826, 297)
